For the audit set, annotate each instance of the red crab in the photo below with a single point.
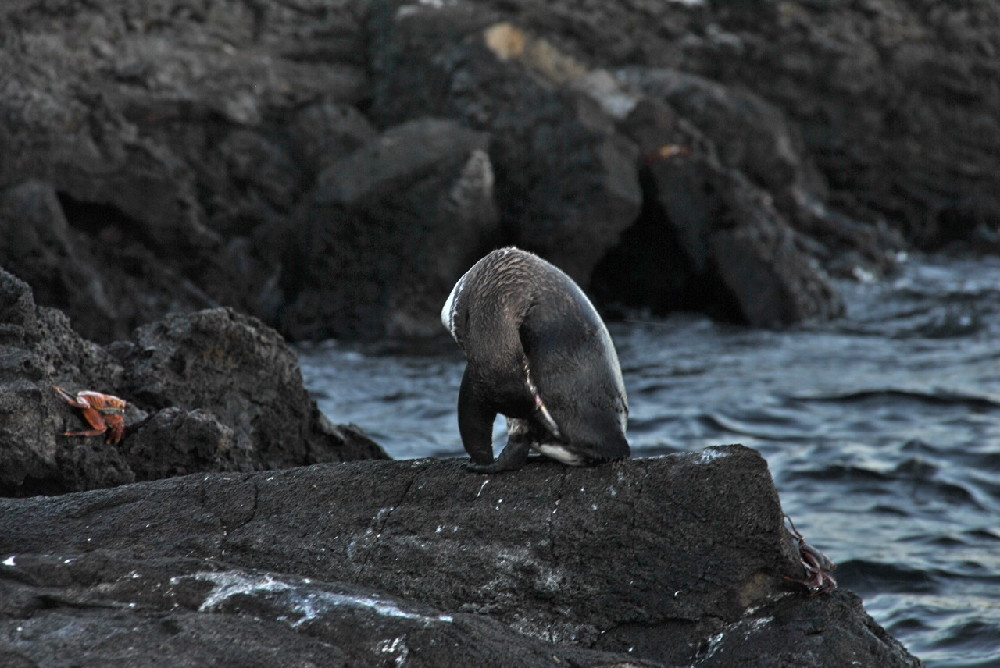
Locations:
(104, 412)
(818, 566)
(667, 152)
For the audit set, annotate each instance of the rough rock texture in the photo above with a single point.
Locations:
(763, 150)
(670, 561)
(207, 391)
(567, 182)
(894, 102)
(734, 253)
(390, 228)
(175, 136)
(174, 156)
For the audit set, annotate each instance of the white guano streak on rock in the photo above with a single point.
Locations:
(706, 456)
(308, 604)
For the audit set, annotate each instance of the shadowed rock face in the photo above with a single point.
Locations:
(332, 168)
(385, 231)
(891, 101)
(669, 561)
(207, 391)
(566, 180)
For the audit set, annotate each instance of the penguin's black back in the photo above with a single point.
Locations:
(523, 322)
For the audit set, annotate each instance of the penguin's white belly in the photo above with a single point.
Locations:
(559, 452)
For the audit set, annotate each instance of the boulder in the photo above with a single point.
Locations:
(566, 180)
(708, 237)
(734, 238)
(243, 373)
(749, 134)
(37, 351)
(106, 284)
(206, 391)
(390, 227)
(753, 137)
(157, 147)
(679, 560)
(737, 256)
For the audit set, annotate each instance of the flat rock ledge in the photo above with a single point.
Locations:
(678, 560)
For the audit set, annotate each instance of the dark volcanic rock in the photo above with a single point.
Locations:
(895, 103)
(39, 248)
(671, 561)
(243, 373)
(169, 134)
(748, 133)
(207, 391)
(175, 442)
(566, 180)
(39, 350)
(734, 253)
(737, 255)
(166, 157)
(830, 630)
(390, 228)
(753, 138)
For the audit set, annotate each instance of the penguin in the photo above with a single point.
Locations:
(537, 352)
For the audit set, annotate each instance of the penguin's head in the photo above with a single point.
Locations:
(450, 309)
(484, 276)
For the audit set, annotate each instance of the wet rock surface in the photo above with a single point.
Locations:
(207, 391)
(168, 157)
(671, 561)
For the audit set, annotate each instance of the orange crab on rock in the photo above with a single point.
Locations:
(104, 412)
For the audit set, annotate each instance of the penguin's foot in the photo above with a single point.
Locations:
(485, 468)
(513, 458)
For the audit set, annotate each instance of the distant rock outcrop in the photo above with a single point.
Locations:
(332, 167)
(566, 180)
(893, 104)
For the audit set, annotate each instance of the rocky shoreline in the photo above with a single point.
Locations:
(184, 186)
(331, 166)
(681, 560)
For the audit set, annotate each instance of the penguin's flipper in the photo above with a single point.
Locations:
(475, 421)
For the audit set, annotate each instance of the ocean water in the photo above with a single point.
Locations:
(882, 432)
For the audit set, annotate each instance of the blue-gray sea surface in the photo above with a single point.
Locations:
(882, 432)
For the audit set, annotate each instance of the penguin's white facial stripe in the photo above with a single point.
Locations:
(547, 416)
(451, 306)
(539, 404)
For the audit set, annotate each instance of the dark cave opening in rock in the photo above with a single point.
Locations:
(966, 223)
(32, 486)
(650, 272)
(104, 222)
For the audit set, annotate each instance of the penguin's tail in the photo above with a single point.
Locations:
(603, 445)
